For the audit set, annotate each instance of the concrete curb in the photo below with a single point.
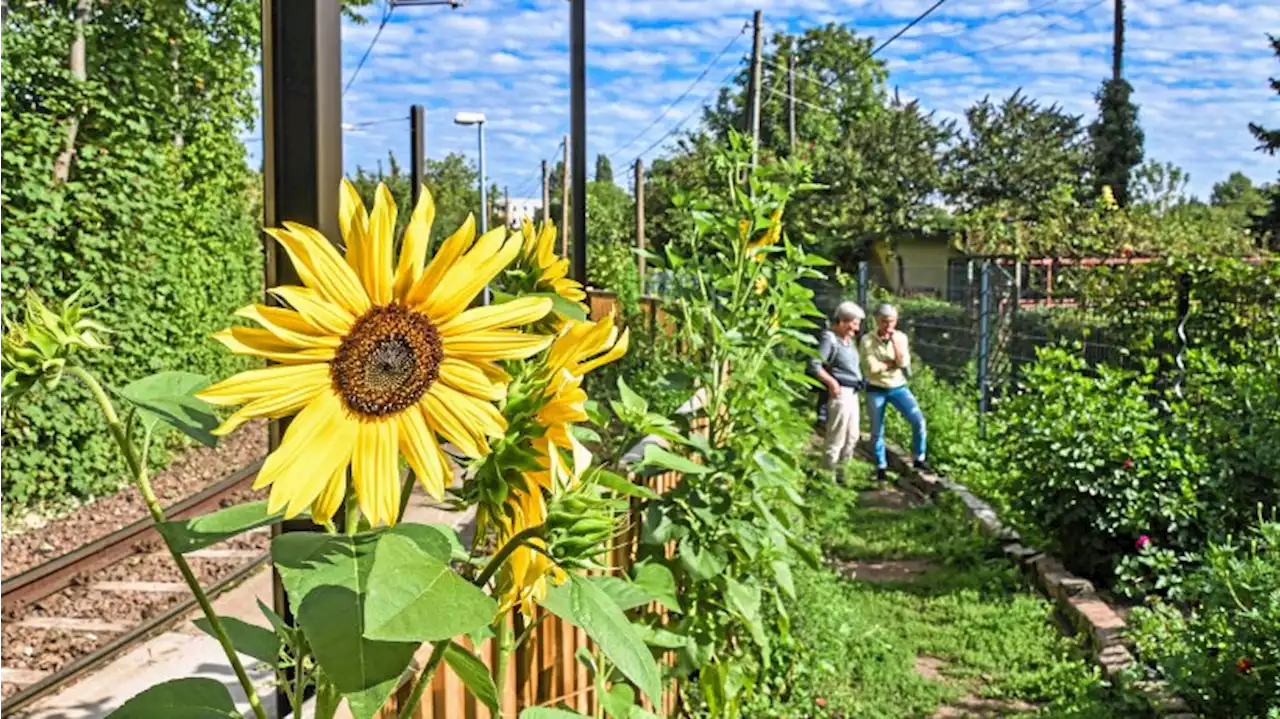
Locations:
(1075, 597)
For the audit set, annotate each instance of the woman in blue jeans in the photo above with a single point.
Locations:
(887, 363)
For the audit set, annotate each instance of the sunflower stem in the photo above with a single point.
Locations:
(420, 686)
(406, 492)
(138, 470)
(351, 514)
(512, 545)
(504, 647)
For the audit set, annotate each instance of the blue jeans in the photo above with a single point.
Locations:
(903, 401)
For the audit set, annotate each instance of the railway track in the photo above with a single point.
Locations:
(71, 614)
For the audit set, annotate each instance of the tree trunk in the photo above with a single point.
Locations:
(76, 61)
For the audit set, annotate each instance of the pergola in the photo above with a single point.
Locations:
(302, 141)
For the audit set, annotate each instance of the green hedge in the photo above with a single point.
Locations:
(158, 230)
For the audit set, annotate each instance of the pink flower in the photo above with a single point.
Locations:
(1142, 542)
(1128, 464)
(820, 702)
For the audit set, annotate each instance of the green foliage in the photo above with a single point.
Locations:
(1221, 650)
(1242, 201)
(452, 181)
(604, 169)
(1267, 225)
(153, 220)
(1016, 156)
(1117, 139)
(1094, 464)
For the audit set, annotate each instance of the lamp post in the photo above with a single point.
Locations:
(477, 119)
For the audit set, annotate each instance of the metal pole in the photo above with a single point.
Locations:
(546, 195)
(302, 160)
(564, 200)
(791, 101)
(640, 258)
(417, 149)
(578, 131)
(506, 194)
(485, 296)
(984, 330)
(756, 69)
(863, 278)
(1117, 50)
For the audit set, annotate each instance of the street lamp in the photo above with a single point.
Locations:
(477, 119)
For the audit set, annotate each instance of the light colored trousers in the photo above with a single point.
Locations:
(843, 427)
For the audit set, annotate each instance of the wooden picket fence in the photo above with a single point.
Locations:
(544, 671)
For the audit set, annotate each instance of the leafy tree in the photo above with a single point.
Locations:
(604, 169)
(1239, 199)
(1159, 187)
(1267, 227)
(1015, 156)
(1117, 139)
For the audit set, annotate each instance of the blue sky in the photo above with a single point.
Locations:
(1199, 70)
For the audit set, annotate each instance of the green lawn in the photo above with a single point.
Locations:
(961, 633)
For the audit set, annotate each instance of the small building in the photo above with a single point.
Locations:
(523, 208)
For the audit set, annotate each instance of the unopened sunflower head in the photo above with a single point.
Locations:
(36, 350)
(548, 271)
(581, 524)
(378, 357)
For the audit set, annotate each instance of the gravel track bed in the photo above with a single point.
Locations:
(189, 473)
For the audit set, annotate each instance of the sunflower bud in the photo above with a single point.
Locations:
(580, 527)
(36, 350)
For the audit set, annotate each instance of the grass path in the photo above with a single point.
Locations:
(916, 615)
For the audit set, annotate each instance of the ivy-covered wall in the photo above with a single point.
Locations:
(151, 214)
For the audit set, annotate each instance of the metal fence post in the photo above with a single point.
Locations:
(984, 350)
(862, 283)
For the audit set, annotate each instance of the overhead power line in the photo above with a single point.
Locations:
(951, 54)
(886, 43)
(732, 41)
(705, 99)
(382, 24)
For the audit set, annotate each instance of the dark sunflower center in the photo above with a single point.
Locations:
(388, 360)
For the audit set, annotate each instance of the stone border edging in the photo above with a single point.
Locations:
(1075, 597)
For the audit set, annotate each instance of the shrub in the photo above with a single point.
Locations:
(1090, 461)
(1223, 654)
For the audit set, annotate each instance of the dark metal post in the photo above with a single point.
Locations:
(1014, 349)
(984, 350)
(757, 49)
(863, 278)
(791, 100)
(417, 149)
(641, 262)
(1117, 50)
(546, 195)
(302, 158)
(578, 131)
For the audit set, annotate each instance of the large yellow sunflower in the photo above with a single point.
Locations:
(378, 357)
(551, 270)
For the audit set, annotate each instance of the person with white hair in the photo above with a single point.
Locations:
(840, 369)
(888, 365)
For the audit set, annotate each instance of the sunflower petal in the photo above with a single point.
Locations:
(417, 239)
(289, 399)
(317, 445)
(420, 449)
(444, 422)
(468, 378)
(255, 383)
(325, 316)
(476, 269)
(479, 415)
(615, 352)
(353, 218)
(321, 267)
(288, 326)
(494, 345)
(329, 501)
(375, 472)
(452, 248)
(516, 313)
(254, 342)
(376, 249)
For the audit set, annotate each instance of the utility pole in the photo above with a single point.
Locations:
(546, 195)
(791, 101)
(1117, 52)
(757, 48)
(506, 192)
(417, 149)
(578, 131)
(564, 201)
(640, 259)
